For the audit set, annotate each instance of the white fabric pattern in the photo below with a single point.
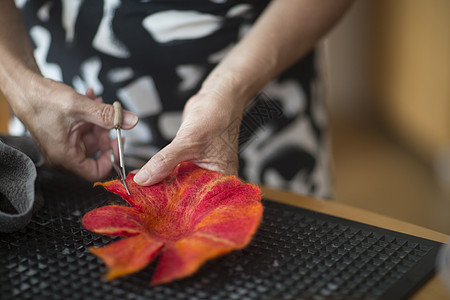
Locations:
(105, 40)
(190, 76)
(44, 12)
(238, 10)
(176, 25)
(120, 74)
(90, 69)
(290, 94)
(141, 97)
(70, 9)
(169, 124)
(43, 39)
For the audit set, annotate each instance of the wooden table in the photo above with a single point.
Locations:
(433, 289)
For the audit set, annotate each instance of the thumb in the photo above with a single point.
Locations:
(162, 164)
(102, 114)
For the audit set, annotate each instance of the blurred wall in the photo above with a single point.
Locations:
(4, 114)
(346, 62)
(391, 59)
(387, 67)
(412, 71)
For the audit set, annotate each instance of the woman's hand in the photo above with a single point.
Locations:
(208, 137)
(68, 127)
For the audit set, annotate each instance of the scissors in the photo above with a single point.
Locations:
(118, 117)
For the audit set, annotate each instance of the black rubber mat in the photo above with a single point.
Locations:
(296, 254)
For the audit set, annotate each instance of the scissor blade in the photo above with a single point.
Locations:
(126, 187)
(119, 172)
(120, 145)
(122, 172)
(117, 124)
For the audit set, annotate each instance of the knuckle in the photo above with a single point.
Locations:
(190, 141)
(71, 105)
(106, 114)
(160, 159)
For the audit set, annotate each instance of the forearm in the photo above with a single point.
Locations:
(17, 63)
(284, 33)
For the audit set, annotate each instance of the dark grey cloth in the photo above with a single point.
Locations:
(17, 182)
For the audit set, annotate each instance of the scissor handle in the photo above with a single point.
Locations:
(117, 114)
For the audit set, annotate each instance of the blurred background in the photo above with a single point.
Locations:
(387, 71)
(386, 67)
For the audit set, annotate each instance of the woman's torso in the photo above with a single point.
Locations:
(154, 55)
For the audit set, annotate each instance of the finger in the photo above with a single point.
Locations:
(95, 169)
(96, 140)
(90, 93)
(103, 136)
(77, 159)
(102, 114)
(162, 164)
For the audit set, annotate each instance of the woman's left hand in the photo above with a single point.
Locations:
(207, 137)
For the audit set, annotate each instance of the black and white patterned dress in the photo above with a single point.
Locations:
(153, 55)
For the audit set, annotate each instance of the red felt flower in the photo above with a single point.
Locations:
(190, 217)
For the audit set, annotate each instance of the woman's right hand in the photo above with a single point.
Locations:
(68, 127)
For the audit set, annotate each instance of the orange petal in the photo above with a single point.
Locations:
(116, 186)
(228, 227)
(147, 199)
(114, 220)
(128, 255)
(194, 185)
(184, 257)
(236, 218)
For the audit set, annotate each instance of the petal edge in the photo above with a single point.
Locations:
(128, 255)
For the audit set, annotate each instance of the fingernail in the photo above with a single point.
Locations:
(141, 177)
(129, 118)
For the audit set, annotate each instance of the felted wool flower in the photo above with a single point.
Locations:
(190, 217)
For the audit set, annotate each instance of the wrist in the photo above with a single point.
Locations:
(20, 90)
(240, 75)
(227, 100)
(227, 87)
